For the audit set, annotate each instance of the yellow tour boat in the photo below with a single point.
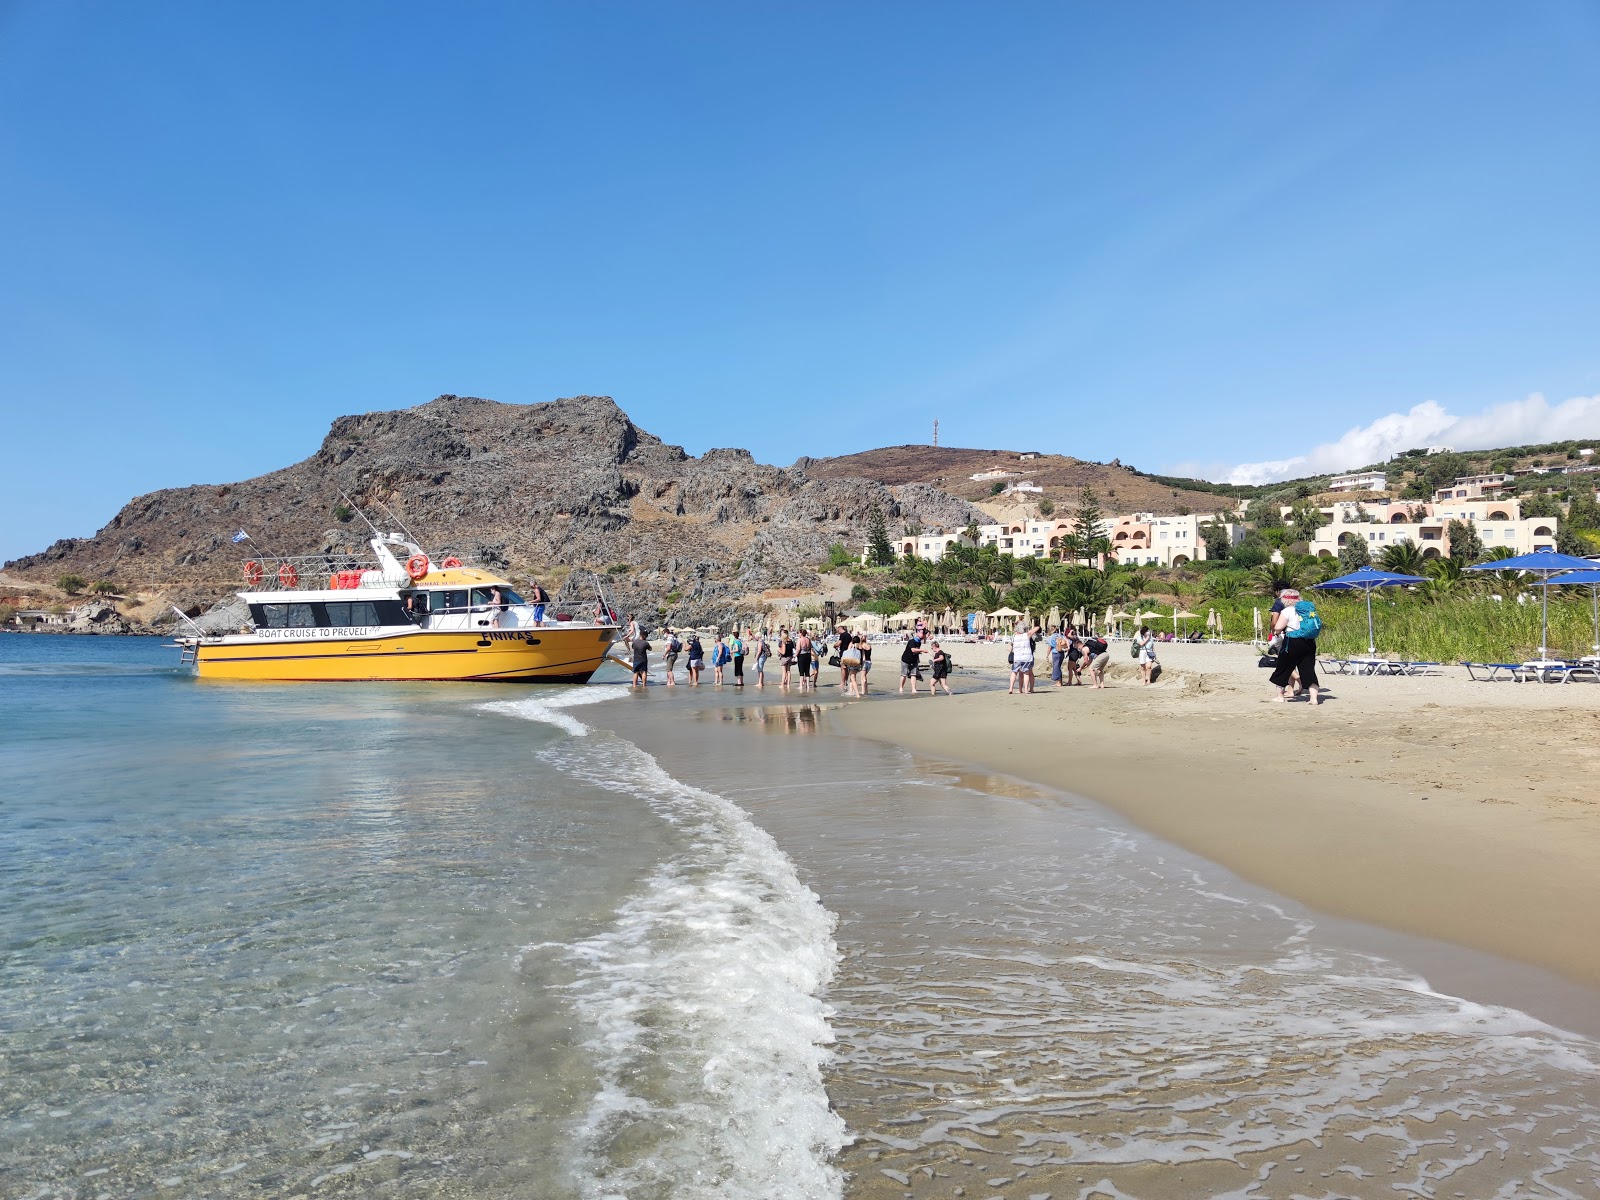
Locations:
(400, 618)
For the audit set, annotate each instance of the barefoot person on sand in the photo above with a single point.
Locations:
(941, 671)
(1021, 661)
(1144, 646)
(1299, 624)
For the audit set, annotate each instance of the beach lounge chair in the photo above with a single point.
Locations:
(1495, 671)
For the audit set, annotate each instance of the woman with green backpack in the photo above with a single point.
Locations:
(1300, 625)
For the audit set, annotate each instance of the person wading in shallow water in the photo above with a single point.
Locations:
(785, 656)
(736, 654)
(641, 659)
(761, 650)
(697, 659)
(670, 654)
(803, 654)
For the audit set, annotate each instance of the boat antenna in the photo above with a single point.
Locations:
(410, 537)
(345, 496)
(185, 617)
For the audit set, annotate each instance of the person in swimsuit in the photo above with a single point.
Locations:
(803, 658)
(785, 656)
(866, 661)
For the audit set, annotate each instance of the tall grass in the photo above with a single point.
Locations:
(1458, 627)
(1407, 626)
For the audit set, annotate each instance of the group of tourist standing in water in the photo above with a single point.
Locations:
(798, 657)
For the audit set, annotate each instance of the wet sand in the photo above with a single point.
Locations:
(1460, 811)
(1035, 998)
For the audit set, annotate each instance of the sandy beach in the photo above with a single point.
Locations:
(1431, 805)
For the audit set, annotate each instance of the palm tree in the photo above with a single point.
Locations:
(988, 598)
(1403, 558)
(1270, 578)
(1225, 585)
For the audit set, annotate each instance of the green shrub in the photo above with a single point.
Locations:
(70, 584)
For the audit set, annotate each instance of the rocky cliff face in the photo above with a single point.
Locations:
(526, 488)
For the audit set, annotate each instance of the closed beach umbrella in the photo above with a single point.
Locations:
(1589, 579)
(1368, 580)
(1544, 564)
(1214, 623)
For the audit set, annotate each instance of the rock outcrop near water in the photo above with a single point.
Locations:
(526, 488)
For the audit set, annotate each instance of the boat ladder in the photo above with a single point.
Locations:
(191, 652)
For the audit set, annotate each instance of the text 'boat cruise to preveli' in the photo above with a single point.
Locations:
(390, 619)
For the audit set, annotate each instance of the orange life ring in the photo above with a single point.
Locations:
(288, 576)
(253, 574)
(417, 566)
(452, 561)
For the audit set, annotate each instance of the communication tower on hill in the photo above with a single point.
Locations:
(936, 431)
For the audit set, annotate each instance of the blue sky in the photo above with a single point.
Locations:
(1180, 235)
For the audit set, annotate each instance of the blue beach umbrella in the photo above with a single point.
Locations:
(1589, 579)
(1543, 563)
(1367, 579)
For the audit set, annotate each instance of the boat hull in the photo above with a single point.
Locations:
(544, 655)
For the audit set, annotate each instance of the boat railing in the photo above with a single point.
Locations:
(332, 571)
(583, 595)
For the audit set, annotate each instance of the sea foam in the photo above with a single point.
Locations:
(702, 1001)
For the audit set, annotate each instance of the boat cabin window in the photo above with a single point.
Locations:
(482, 600)
(286, 616)
(334, 614)
(359, 612)
(451, 602)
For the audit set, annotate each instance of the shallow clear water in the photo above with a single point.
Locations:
(474, 941)
(264, 939)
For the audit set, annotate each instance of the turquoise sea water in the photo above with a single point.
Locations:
(329, 940)
(263, 939)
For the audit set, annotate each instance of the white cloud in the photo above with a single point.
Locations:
(1517, 423)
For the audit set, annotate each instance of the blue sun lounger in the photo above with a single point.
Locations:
(1496, 671)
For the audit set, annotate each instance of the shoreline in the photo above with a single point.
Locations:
(1403, 807)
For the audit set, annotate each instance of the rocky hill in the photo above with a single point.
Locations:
(950, 469)
(531, 489)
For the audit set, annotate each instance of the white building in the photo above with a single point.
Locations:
(1498, 521)
(991, 474)
(1148, 540)
(1470, 487)
(1142, 538)
(1024, 485)
(1363, 481)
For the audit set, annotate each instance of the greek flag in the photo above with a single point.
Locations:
(241, 536)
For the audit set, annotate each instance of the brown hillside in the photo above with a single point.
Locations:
(528, 488)
(950, 469)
